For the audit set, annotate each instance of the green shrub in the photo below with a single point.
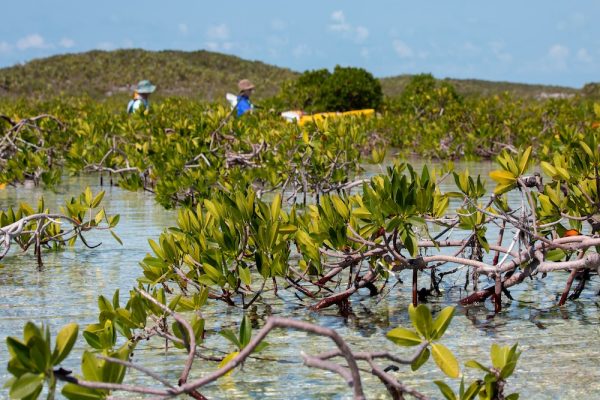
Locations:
(351, 88)
(591, 90)
(347, 88)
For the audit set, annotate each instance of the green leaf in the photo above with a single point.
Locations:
(472, 391)
(259, 347)
(117, 238)
(404, 337)
(285, 229)
(229, 335)
(27, 385)
(92, 339)
(115, 301)
(227, 359)
(514, 396)
(587, 149)
(31, 330)
(113, 221)
(503, 177)
(441, 322)
(212, 272)
(421, 319)
(548, 168)
(498, 356)
(475, 364)
(104, 304)
(19, 350)
(113, 372)
(64, 343)
(446, 390)
(524, 160)
(340, 207)
(276, 207)
(245, 275)
(500, 189)
(156, 248)
(97, 199)
(361, 212)
(40, 353)
(88, 196)
(91, 367)
(421, 359)
(99, 217)
(563, 173)
(245, 332)
(445, 360)
(173, 303)
(75, 392)
(508, 369)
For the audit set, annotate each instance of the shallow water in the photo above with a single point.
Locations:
(561, 346)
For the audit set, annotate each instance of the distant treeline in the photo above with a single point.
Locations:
(201, 75)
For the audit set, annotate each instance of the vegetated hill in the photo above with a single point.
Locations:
(197, 74)
(393, 86)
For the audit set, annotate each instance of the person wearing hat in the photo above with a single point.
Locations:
(243, 101)
(140, 96)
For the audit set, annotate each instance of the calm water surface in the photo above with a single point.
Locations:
(561, 346)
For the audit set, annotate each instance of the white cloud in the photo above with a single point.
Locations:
(278, 25)
(218, 36)
(277, 40)
(105, 46)
(584, 56)
(33, 41)
(213, 46)
(362, 34)
(558, 52)
(572, 22)
(183, 28)
(301, 51)
(67, 43)
(218, 32)
(556, 57)
(127, 44)
(364, 52)
(504, 57)
(422, 54)
(402, 49)
(339, 22)
(470, 47)
(5, 47)
(498, 49)
(218, 46)
(339, 25)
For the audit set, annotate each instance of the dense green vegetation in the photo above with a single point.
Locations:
(344, 89)
(199, 75)
(197, 147)
(100, 74)
(266, 205)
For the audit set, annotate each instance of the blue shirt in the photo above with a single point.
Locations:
(135, 104)
(243, 105)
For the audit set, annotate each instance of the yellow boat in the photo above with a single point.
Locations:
(302, 119)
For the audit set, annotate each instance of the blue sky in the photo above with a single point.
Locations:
(532, 41)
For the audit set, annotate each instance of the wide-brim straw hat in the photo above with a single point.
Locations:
(245, 84)
(145, 87)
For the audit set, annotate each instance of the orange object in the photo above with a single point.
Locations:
(596, 124)
(571, 232)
